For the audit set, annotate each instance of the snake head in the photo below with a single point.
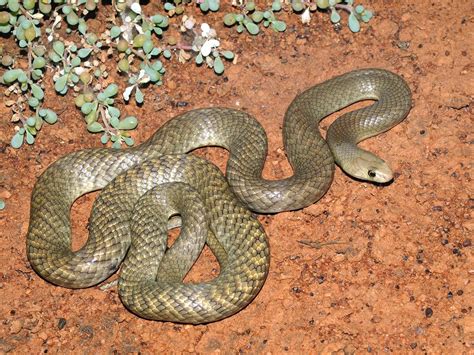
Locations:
(369, 167)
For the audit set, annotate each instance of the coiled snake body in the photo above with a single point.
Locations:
(151, 284)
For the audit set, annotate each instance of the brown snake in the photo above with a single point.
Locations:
(150, 283)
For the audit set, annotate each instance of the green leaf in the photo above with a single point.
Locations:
(276, 6)
(297, 5)
(56, 58)
(229, 19)
(252, 28)
(114, 121)
(354, 23)
(113, 111)
(72, 18)
(25, 24)
(204, 6)
(22, 78)
(228, 55)
(95, 127)
(367, 15)
(157, 65)
(116, 144)
(152, 73)
(213, 5)
(111, 90)
(84, 52)
(164, 23)
(11, 75)
(33, 102)
(323, 4)
(60, 83)
(115, 31)
(30, 139)
(17, 140)
(335, 17)
(129, 141)
(359, 9)
(51, 116)
(250, 6)
(169, 6)
(148, 46)
(279, 26)
(13, 6)
(36, 74)
(31, 121)
(218, 66)
(199, 59)
(105, 138)
(58, 48)
(138, 96)
(2, 204)
(87, 107)
(75, 62)
(157, 19)
(167, 54)
(39, 63)
(128, 123)
(82, 28)
(37, 91)
(67, 10)
(5, 29)
(257, 16)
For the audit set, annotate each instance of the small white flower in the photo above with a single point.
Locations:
(136, 8)
(306, 16)
(127, 92)
(79, 70)
(205, 30)
(189, 23)
(143, 77)
(208, 46)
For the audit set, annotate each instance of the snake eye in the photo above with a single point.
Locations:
(372, 173)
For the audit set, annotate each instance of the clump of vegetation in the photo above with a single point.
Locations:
(55, 36)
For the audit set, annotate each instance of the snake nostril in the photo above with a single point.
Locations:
(372, 173)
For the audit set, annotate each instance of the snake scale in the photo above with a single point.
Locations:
(143, 187)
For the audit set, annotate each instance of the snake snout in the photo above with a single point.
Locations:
(369, 167)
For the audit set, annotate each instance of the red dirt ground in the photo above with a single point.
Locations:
(400, 279)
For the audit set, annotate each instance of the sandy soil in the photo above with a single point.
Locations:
(400, 277)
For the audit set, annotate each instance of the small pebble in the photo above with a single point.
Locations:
(466, 243)
(459, 292)
(413, 345)
(450, 295)
(16, 326)
(428, 312)
(296, 290)
(61, 323)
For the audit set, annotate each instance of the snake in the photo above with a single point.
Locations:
(146, 187)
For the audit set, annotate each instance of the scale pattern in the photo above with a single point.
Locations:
(125, 222)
